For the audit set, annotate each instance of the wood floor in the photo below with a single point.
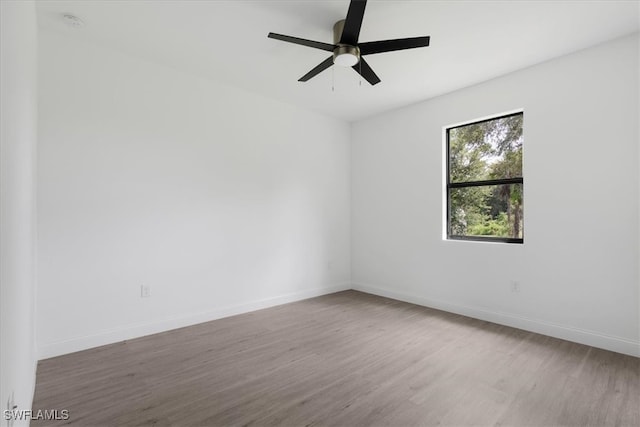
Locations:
(346, 359)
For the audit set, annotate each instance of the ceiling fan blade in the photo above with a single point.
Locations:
(318, 69)
(304, 42)
(353, 22)
(365, 71)
(369, 48)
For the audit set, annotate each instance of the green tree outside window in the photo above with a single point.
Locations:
(485, 182)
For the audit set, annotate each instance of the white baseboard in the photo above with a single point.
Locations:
(114, 335)
(595, 339)
(591, 338)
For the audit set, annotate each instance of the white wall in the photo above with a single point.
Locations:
(18, 125)
(220, 200)
(578, 267)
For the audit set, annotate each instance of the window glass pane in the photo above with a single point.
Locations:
(487, 210)
(486, 150)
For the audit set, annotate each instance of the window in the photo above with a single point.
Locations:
(484, 180)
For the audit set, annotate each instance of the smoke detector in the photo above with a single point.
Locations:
(72, 21)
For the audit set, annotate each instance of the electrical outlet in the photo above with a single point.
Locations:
(11, 406)
(145, 291)
(515, 286)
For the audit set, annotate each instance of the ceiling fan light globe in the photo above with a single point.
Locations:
(346, 56)
(346, 60)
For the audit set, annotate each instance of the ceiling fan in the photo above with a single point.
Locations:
(347, 52)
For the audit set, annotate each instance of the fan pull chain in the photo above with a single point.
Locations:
(360, 66)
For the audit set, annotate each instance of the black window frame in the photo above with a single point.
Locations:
(450, 185)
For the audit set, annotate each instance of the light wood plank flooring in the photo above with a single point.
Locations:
(346, 359)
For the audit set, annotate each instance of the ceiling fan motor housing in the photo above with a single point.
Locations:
(344, 54)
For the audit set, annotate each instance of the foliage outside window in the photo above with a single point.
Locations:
(484, 180)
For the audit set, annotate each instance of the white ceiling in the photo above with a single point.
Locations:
(471, 41)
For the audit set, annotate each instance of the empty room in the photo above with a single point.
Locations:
(305, 212)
